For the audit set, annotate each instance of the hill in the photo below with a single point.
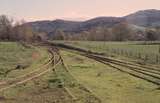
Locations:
(138, 20)
(145, 18)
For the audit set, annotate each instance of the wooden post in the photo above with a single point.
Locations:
(159, 49)
(157, 59)
(139, 55)
(121, 52)
(146, 57)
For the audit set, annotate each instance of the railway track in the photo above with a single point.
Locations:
(30, 76)
(92, 95)
(142, 73)
(149, 74)
(43, 69)
(70, 93)
(49, 66)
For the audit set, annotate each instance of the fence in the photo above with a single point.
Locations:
(149, 58)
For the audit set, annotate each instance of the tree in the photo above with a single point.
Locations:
(5, 27)
(122, 32)
(158, 33)
(24, 32)
(106, 34)
(151, 35)
(16, 31)
(59, 35)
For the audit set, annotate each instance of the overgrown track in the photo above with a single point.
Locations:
(92, 95)
(146, 75)
(150, 74)
(55, 71)
(30, 76)
(45, 68)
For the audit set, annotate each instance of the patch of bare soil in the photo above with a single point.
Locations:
(2, 98)
(35, 55)
(57, 95)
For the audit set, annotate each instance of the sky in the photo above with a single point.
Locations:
(33, 10)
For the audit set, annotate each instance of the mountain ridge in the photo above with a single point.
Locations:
(142, 18)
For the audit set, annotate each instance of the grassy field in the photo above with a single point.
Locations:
(76, 79)
(15, 59)
(56, 86)
(13, 54)
(108, 84)
(39, 90)
(143, 51)
(130, 46)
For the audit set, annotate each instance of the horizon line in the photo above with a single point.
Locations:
(77, 19)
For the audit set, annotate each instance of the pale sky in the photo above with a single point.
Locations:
(31, 10)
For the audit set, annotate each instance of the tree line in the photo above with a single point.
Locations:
(11, 30)
(120, 32)
(19, 31)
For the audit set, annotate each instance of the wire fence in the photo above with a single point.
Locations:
(146, 57)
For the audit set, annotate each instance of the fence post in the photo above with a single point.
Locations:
(159, 49)
(118, 51)
(126, 53)
(130, 53)
(139, 55)
(121, 52)
(146, 57)
(157, 59)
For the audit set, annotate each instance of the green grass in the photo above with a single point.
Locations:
(40, 90)
(110, 85)
(77, 90)
(104, 82)
(43, 89)
(103, 46)
(13, 54)
(50, 87)
(38, 62)
(133, 50)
